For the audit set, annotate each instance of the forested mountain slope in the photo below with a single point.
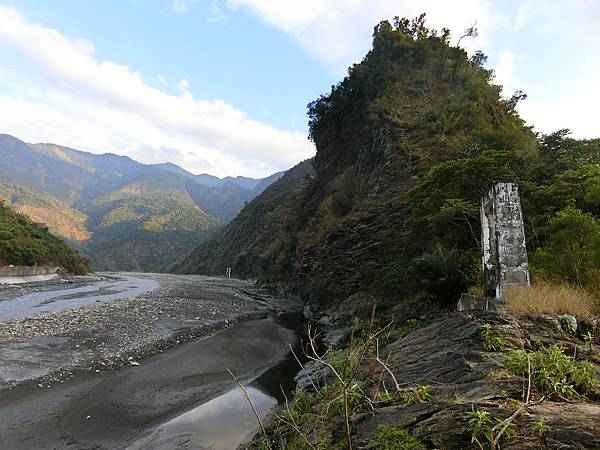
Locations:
(60, 218)
(406, 145)
(257, 234)
(25, 243)
(123, 214)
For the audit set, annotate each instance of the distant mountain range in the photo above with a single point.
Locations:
(122, 214)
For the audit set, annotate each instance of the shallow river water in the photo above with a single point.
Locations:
(226, 421)
(112, 288)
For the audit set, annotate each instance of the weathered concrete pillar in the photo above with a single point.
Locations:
(503, 240)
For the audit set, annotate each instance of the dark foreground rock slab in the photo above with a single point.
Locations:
(448, 355)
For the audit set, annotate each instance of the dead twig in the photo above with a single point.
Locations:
(292, 423)
(305, 371)
(387, 369)
(262, 428)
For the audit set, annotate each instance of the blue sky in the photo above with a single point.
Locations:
(221, 86)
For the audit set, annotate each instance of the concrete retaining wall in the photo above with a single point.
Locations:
(26, 271)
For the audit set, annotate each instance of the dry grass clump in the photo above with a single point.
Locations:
(550, 298)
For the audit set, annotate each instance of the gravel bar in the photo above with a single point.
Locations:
(50, 348)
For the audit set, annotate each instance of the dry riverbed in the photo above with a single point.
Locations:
(132, 373)
(50, 348)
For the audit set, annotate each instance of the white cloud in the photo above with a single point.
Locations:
(575, 110)
(80, 92)
(163, 81)
(216, 13)
(528, 12)
(183, 85)
(181, 6)
(338, 32)
(505, 71)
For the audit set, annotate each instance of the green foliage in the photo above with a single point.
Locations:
(572, 248)
(391, 438)
(540, 427)
(480, 425)
(412, 103)
(588, 338)
(406, 145)
(344, 191)
(301, 404)
(517, 362)
(354, 397)
(424, 393)
(383, 396)
(553, 372)
(60, 218)
(258, 242)
(567, 325)
(417, 394)
(444, 273)
(491, 342)
(23, 242)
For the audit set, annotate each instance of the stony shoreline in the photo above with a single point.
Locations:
(51, 348)
(10, 291)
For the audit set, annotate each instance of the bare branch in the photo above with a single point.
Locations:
(262, 428)
(387, 369)
(305, 371)
(293, 423)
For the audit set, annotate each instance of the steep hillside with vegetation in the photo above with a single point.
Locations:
(23, 242)
(384, 238)
(61, 219)
(412, 103)
(154, 213)
(146, 224)
(258, 239)
(406, 145)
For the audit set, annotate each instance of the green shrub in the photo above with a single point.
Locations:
(390, 438)
(301, 404)
(540, 427)
(552, 371)
(417, 394)
(480, 425)
(491, 342)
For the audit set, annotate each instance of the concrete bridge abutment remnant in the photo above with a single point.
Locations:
(503, 240)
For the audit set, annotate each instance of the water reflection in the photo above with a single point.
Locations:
(226, 421)
(219, 424)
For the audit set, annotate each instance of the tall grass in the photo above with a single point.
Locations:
(550, 298)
